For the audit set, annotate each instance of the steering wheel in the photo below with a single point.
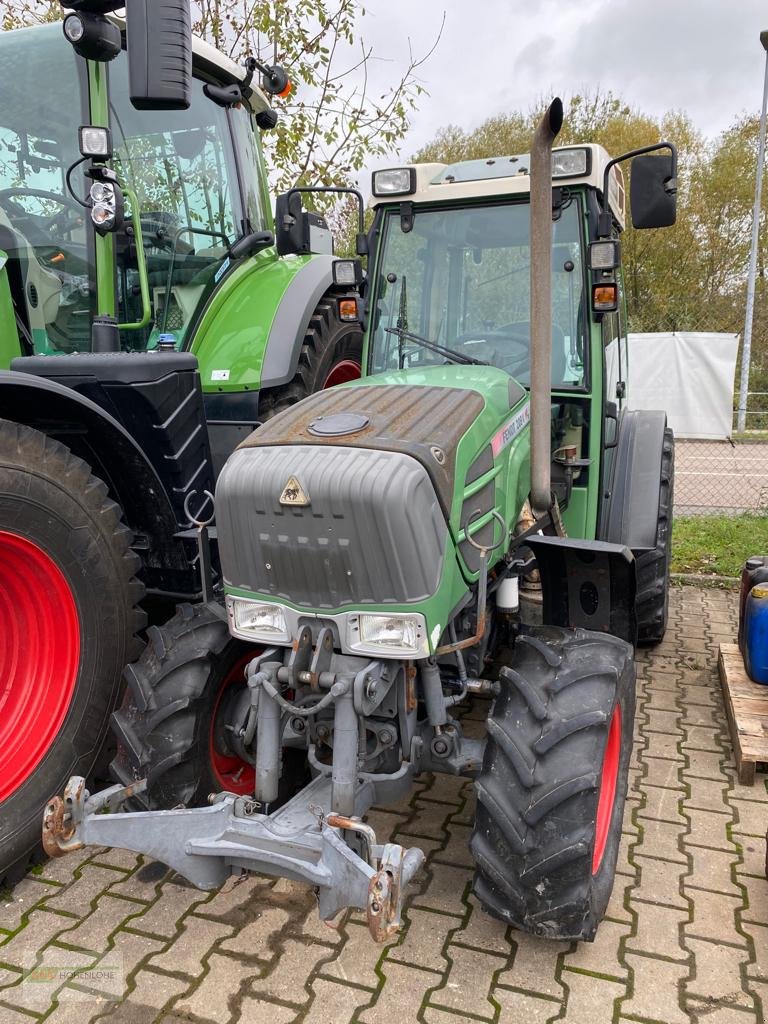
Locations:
(47, 224)
(512, 348)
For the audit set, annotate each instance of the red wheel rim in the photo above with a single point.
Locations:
(607, 798)
(343, 371)
(39, 657)
(230, 771)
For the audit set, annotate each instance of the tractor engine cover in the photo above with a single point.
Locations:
(344, 498)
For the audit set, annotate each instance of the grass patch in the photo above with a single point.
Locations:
(717, 544)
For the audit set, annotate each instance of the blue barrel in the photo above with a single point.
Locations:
(756, 634)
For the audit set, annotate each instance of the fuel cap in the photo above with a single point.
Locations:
(338, 424)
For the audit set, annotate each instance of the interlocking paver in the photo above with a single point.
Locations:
(257, 937)
(483, 931)
(756, 899)
(685, 939)
(713, 869)
(714, 917)
(718, 973)
(751, 817)
(333, 1001)
(708, 829)
(535, 966)
(27, 894)
(356, 959)
(660, 882)
(516, 1007)
(216, 997)
(77, 897)
(156, 990)
(425, 938)
(601, 956)
(402, 994)
(109, 913)
(706, 794)
(471, 972)
(656, 990)
(186, 954)
(590, 998)
(659, 931)
(661, 839)
(163, 917)
(21, 949)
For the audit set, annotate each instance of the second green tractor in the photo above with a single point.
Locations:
(479, 516)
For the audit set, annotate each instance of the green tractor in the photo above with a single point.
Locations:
(479, 515)
(147, 325)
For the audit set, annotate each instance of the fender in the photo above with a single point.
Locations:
(250, 335)
(115, 457)
(630, 511)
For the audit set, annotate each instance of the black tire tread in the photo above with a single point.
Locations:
(156, 726)
(534, 828)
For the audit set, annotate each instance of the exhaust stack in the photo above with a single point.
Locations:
(541, 305)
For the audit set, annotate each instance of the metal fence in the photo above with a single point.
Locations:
(721, 477)
(729, 476)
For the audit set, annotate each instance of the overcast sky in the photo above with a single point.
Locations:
(701, 56)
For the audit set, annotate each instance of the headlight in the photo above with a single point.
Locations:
(570, 163)
(395, 181)
(102, 192)
(604, 254)
(95, 142)
(252, 620)
(394, 635)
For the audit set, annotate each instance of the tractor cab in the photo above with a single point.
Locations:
(453, 267)
(192, 183)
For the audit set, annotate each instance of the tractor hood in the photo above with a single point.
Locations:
(358, 495)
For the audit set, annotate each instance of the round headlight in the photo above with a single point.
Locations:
(102, 192)
(103, 216)
(74, 29)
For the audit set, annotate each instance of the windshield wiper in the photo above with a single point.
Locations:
(433, 346)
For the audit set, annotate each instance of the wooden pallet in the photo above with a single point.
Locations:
(746, 704)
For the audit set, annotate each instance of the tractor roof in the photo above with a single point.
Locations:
(209, 59)
(510, 176)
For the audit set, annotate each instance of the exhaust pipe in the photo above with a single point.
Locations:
(541, 306)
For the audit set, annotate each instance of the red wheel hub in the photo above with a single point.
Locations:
(343, 371)
(230, 771)
(39, 657)
(607, 798)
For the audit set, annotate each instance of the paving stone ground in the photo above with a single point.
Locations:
(104, 935)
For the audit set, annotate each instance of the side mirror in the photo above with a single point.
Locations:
(298, 231)
(289, 224)
(159, 54)
(653, 192)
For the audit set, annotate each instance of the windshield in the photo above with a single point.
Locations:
(182, 167)
(461, 277)
(42, 228)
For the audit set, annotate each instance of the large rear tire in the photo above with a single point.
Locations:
(331, 354)
(69, 614)
(653, 567)
(554, 780)
(169, 728)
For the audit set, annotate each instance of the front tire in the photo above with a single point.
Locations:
(69, 613)
(169, 729)
(554, 781)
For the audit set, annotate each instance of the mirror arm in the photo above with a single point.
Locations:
(605, 221)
